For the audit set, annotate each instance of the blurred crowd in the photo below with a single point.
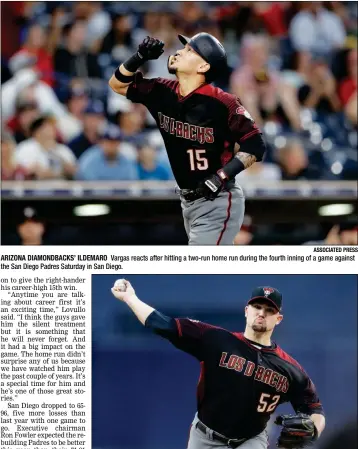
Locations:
(293, 65)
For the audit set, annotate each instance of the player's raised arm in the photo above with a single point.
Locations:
(124, 291)
(146, 314)
(183, 333)
(150, 48)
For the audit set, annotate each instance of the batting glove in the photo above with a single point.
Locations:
(211, 186)
(150, 48)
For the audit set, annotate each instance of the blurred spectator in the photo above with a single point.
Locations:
(162, 25)
(36, 45)
(348, 88)
(240, 18)
(22, 60)
(13, 15)
(97, 20)
(59, 17)
(339, 235)
(167, 33)
(149, 168)
(31, 230)
(348, 236)
(10, 169)
(273, 16)
(190, 16)
(72, 59)
(319, 91)
(131, 122)
(260, 171)
(93, 121)
(306, 83)
(315, 29)
(26, 111)
(346, 13)
(294, 162)
(25, 82)
(42, 155)
(253, 82)
(149, 26)
(118, 41)
(105, 162)
(71, 124)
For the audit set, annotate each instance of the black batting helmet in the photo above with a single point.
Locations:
(210, 49)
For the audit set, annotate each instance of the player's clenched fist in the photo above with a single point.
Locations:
(150, 48)
(122, 290)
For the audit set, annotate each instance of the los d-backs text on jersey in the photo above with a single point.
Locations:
(199, 130)
(241, 382)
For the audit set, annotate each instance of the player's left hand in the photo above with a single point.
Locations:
(211, 187)
(297, 431)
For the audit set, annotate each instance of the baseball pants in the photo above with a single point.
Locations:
(199, 440)
(214, 222)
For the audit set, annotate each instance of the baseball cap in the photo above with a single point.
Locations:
(111, 133)
(269, 294)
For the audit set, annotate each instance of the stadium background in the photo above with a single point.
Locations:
(144, 389)
(301, 87)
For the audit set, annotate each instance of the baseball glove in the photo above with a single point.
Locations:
(297, 431)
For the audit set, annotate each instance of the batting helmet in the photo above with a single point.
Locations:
(210, 49)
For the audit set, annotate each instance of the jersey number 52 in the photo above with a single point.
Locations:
(268, 403)
(197, 159)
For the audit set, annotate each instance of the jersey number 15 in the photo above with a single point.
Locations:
(197, 159)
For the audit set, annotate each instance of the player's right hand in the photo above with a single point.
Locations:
(211, 187)
(123, 295)
(150, 48)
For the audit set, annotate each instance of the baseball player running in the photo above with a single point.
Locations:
(200, 126)
(244, 376)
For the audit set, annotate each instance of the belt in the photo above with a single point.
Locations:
(190, 195)
(196, 194)
(230, 442)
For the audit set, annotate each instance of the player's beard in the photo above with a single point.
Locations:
(259, 327)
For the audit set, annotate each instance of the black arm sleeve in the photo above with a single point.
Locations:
(254, 145)
(161, 324)
(305, 398)
(142, 90)
(184, 333)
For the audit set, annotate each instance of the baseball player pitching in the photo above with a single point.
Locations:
(244, 376)
(200, 126)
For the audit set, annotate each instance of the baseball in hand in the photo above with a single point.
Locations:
(120, 285)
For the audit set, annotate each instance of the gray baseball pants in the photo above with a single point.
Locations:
(199, 440)
(214, 222)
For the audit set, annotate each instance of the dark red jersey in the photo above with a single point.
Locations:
(199, 130)
(241, 383)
